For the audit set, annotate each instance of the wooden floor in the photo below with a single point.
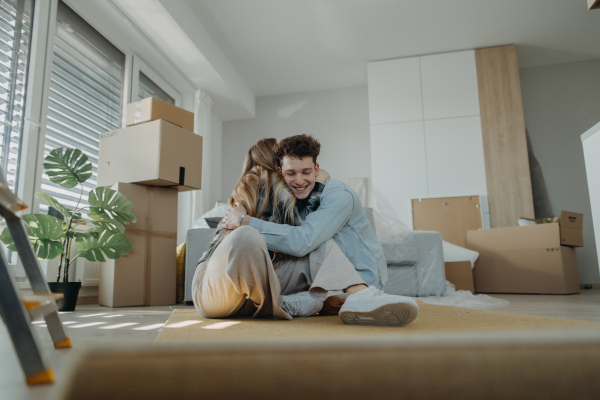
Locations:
(102, 327)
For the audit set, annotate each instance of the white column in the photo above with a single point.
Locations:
(202, 126)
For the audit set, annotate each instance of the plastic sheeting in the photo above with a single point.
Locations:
(415, 259)
(464, 298)
(218, 210)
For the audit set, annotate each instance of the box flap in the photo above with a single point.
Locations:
(571, 220)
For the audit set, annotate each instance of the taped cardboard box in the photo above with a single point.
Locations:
(151, 109)
(523, 259)
(571, 227)
(156, 153)
(147, 274)
(460, 274)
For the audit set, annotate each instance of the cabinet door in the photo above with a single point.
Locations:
(395, 91)
(399, 169)
(450, 85)
(455, 162)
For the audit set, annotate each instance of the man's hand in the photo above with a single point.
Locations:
(323, 176)
(233, 217)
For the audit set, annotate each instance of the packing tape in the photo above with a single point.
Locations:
(138, 113)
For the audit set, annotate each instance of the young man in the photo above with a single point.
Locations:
(340, 217)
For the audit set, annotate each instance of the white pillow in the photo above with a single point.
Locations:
(218, 211)
(454, 253)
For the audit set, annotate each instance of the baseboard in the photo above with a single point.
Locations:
(87, 300)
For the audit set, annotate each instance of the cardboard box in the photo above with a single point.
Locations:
(571, 227)
(156, 153)
(523, 259)
(451, 216)
(147, 275)
(461, 275)
(151, 109)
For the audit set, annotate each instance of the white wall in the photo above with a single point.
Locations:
(338, 118)
(185, 202)
(561, 102)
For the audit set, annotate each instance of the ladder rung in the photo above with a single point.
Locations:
(39, 299)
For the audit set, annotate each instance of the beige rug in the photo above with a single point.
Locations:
(188, 325)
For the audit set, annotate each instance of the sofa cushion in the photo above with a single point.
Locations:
(400, 255)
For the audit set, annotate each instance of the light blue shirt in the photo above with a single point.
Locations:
(340, 216)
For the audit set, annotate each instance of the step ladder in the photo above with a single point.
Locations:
(18, 311)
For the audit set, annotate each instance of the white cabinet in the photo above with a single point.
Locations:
(455, 163)
(399, 167)
(449, 83)
(591, 153)
(439, 153)
(395, 91)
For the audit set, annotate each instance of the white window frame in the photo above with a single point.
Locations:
(140, 66)
(38, 91)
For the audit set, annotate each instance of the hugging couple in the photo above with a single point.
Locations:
(295, 243)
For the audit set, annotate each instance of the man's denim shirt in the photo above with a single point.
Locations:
(340, 216)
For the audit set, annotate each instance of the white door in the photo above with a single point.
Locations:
(399, 168)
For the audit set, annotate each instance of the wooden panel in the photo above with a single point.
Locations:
(394, 91)
(592, 4)
(453, 217)
(503, 130)
(460, 274)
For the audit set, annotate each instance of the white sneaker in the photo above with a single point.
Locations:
(372, 306)
(301, 304)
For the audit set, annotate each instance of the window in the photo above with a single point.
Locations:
(85, 96)
(15, 32)
(147, 88)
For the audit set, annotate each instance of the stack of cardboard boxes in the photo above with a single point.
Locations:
(156, 156)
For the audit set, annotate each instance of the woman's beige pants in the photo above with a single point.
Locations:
(239, 279)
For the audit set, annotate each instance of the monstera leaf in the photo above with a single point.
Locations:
(52, 202)
(44, 233)
(110, 207)
(112, 244)
(67, 167)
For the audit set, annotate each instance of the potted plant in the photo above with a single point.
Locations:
(53, 236)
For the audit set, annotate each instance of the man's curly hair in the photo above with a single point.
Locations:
(298, 146)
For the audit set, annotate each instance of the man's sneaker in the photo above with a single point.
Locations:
(372, 306)
(301, 304)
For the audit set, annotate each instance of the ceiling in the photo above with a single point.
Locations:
(288, 46)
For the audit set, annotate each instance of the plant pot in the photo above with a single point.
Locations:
(70, 290)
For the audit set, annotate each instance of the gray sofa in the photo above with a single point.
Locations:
(415, 261)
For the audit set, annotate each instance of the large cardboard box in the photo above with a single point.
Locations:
(147, 274)
(451, 216)
(523, 259)
(460, 274)
(156, 153)
(151, 109)
(571, 227)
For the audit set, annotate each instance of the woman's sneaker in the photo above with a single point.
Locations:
(372, 306)
(301, 304)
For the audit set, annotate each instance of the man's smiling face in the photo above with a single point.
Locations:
(300, 175)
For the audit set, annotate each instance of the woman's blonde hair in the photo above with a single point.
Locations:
(261, 184)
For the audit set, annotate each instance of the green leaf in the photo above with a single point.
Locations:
(67, 167)
(111, 226)
(110, 206)
(111, 244)
(45, 233)
(7, 239)
(73, 234)
(45, 197)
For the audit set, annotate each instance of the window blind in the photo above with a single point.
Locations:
(85, 96)
(147, 88)
(15, 30)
